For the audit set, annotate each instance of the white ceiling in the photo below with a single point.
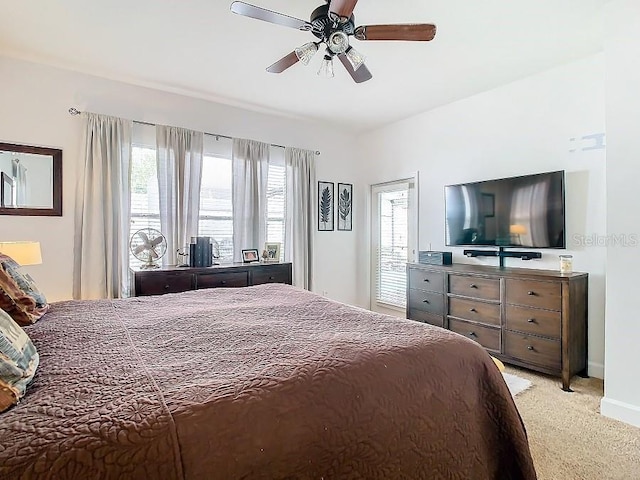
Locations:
(200, 48)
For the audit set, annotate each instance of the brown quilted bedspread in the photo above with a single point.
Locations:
(265, 382)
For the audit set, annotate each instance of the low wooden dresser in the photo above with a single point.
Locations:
(532, 318)
(180, 279)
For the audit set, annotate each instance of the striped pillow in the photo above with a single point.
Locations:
(18, 361)
(19, 296)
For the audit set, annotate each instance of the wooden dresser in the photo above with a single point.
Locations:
(532, 318)
(180, 279)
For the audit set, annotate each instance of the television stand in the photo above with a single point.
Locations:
(532, 318)
(501, 253)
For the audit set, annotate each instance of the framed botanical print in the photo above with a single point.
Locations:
(325, 206)
(345, 206)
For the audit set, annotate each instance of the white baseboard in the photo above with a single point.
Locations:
(596, 370)
(625, 412)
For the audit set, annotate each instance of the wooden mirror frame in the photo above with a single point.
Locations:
(56, 154)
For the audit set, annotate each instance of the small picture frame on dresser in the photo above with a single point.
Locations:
(250, 255)
(273, 251)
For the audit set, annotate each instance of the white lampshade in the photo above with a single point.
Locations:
(24, 253)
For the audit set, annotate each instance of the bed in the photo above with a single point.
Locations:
(264, 382)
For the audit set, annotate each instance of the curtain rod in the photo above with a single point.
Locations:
(75, 111)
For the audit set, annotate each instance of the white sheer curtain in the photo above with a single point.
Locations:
(102, 209)
(250, 163)
(179, 155)
(300, 214)
(20, 174)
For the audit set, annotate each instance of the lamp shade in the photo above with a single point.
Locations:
(24, 253)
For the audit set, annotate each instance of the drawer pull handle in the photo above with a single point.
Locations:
(530, 347)
(473, 285)
(473, 310)
(166, 287)
(272, 278)
(425, 301)
(472, 334)
(426, 280)
(531, 320)
(223, 282)
(532, 293)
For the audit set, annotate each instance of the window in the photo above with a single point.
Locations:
(392, 242)
(216, 214)
(145, 200)
(276, 186)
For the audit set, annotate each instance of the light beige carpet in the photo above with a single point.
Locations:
(569, 439)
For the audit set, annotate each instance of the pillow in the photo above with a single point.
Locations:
(19, 296)
(18, 361)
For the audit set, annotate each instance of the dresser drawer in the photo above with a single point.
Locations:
(474, 310)
(159, 283)
(531, 320)
(426, 317)
(270, 275)
(216, 280)
(485, 288)
(532, 349)
(426, 280)
(532, 293)
(426, 301)
(488, 337)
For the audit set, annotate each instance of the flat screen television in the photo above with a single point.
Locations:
(524, 211)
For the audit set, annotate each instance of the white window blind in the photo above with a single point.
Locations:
(391, 242)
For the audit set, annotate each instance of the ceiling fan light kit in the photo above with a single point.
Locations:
(326, 67)
(338, 42)
(333, 24)
(306, 52)
(355, 57)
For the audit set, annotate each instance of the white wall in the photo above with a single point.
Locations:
(35, 100)
(524, 127)
(622, 373)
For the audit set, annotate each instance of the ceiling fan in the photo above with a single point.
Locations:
(333, 24)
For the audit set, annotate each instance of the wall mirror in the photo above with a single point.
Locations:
(31, 180)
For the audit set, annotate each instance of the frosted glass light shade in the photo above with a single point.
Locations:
(326, 68)
(24, 253)
(355, 58)
(306, 52)
(338, 42)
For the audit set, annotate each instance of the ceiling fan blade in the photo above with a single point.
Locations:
(263, 14)
(341, 10)
(419, 32)
(284, 63)
(362, 74)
